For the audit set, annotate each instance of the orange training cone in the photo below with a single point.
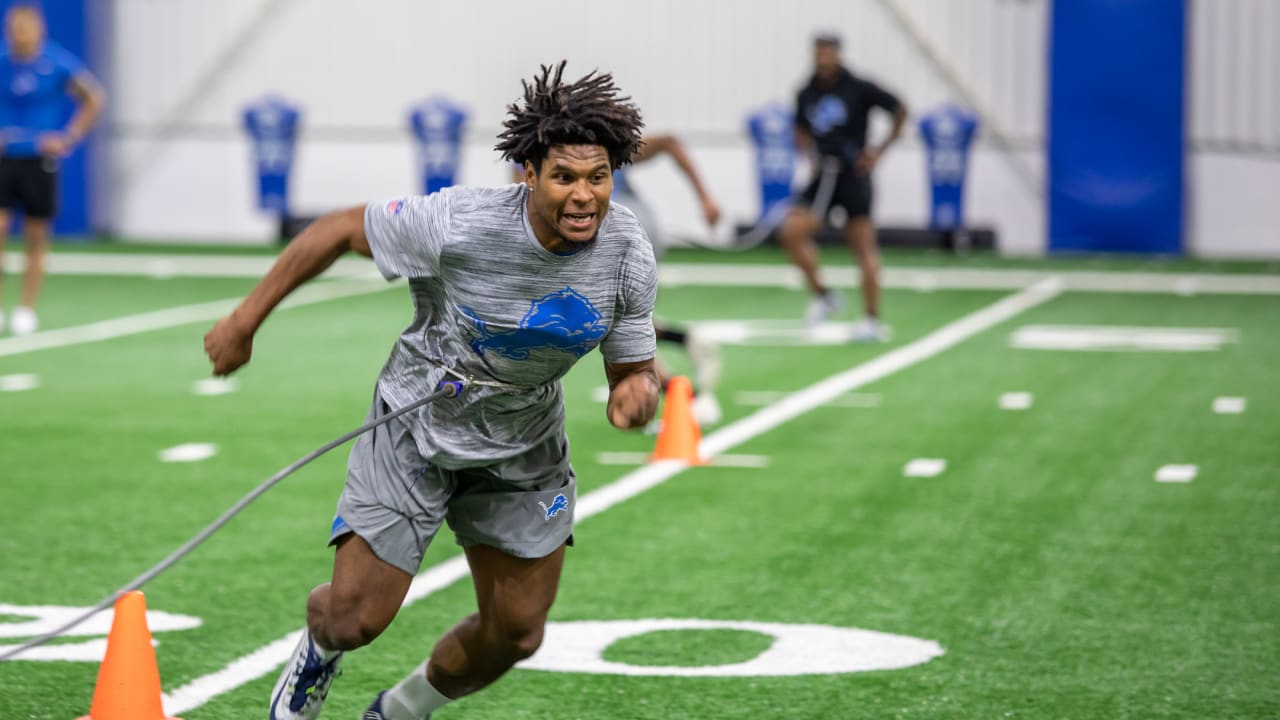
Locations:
(680, 435)
(128, 681)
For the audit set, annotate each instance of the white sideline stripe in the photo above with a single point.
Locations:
(173, 317)
(166, 266)
(765, 397)
(265, 660)
(706, 274)
(642, 458)
(785, 276)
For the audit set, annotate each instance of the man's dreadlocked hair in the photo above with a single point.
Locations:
(587, 112)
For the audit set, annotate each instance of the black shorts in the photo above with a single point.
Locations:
(29, 184)
(852, 192)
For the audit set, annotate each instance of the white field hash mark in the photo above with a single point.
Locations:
(1229, 405)
(1177, 473)
(215, 386)
(924, 467)
(1016, 401)
(188, 452)
(268, 658)
(19, 382)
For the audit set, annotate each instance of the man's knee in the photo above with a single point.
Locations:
(347, 623)
(520, 642)
(516, 638)
(349, 631)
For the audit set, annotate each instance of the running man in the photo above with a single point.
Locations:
(511, 286)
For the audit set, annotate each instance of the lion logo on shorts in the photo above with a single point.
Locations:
(560, 502)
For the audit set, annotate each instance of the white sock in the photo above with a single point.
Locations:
(325, 654)
(413, 698)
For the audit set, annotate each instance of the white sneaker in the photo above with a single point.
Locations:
(706, 409)
(822, 308)
(870, 330)
(24, 321)
(705, 356)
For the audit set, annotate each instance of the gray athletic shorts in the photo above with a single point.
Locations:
(396, 500)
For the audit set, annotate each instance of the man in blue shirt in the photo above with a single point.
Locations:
(37, 76)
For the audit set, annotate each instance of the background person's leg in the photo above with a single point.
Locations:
(796, 237)
(35, 234)
(860, 233)
(4, 236)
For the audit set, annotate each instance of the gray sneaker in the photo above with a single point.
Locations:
(870, 330)
(822, 308)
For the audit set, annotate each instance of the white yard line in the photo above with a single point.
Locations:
(643, 458)
(173, 317)
(765, 397)
(930, 279)
(708, 274)
(266, 659)
(165, 266)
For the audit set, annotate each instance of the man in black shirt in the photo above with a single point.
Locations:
(831, 126)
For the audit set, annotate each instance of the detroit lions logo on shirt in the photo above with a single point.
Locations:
(564, 320)
(559, 503)
(827, 113)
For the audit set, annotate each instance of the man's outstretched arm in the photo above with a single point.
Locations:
(230, 343)
(657, 144)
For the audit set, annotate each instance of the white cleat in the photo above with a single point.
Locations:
(24, 321)
(869, 330)
(706, 409)
(822, 308)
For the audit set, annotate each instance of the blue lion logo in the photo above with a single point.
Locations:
(564, 320)
(560, 502)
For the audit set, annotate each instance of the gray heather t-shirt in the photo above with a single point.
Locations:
(491, 303)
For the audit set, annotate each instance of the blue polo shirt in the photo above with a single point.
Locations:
(34, 96)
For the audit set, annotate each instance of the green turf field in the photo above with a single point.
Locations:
(1057, 577)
